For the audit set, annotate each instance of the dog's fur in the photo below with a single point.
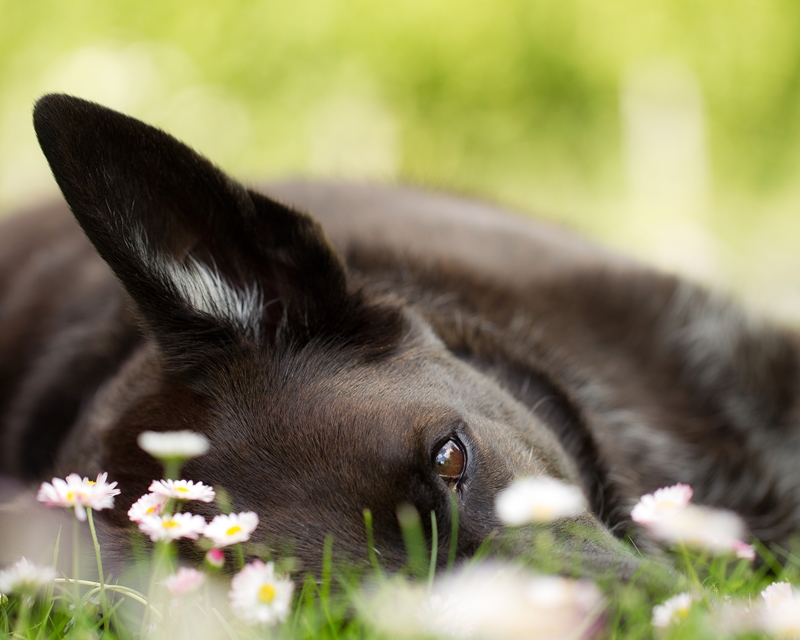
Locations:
(329, 358)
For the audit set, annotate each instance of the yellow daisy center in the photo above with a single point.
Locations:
(90, 482)
(182, 489)
(666, 505)
(543, 511)
(266, 593)
(233, 530)
(150, 510)
(169, 524)
(70, 496)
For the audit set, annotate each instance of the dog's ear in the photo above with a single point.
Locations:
(202, 257)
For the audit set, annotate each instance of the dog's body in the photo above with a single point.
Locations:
(328, 386)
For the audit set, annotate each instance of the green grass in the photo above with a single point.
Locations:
(336, 603)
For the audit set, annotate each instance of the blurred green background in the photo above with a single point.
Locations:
(666, 128)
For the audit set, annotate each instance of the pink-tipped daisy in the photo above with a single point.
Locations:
(715, 530)
(258, 596)
(183, 490)
(184, 580)
(150, 504)
(655, 506)
(78, 493)
(743, 550)
(180, 525)
(229, 529)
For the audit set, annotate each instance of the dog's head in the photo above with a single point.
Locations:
(320, 399)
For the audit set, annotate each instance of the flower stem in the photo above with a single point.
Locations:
(103, 603)
(172, 468)
(21, 627)
(240, 556)
(693, 574)
(76, 555)
(162, 553)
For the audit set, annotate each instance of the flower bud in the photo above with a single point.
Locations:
(215, 559)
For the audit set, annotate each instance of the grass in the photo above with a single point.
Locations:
(337, 603)
(495, 593)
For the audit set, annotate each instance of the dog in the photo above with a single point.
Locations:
(348, 347)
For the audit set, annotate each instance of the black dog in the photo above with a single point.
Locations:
(422, 347)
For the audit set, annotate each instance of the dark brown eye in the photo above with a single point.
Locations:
(450, 462)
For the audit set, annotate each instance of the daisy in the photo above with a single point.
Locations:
(150, 504)
(743, 550)
(673, 611)
(25, 577)
(402, 609)
(488, 600)
(783, 622)
(183, 490)
(538, 500)
(78, 493)
(777, 594)
(780, 615)
(496, 600)
(184, 580)
(653, 507)
(180, 525)
(215, 558)
(715, 530)
(229, 529)
(171, 445)
(258, 596)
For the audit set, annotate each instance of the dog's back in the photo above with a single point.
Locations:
(66, 328)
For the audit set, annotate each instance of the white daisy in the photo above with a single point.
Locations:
(495, 600)
(231, 528)
(78, 493)
(184, 580)
(258, 596)
(170, 445)
(180, 525)
(183, 490)
(655, 506)
(25, 577)
(673, 611)
(777, 594)
(150, 504)
(780, 615)
(538, 500)
(783, 622)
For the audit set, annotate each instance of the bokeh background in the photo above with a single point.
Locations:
(669, 129)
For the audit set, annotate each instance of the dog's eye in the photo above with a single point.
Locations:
(450, 462)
